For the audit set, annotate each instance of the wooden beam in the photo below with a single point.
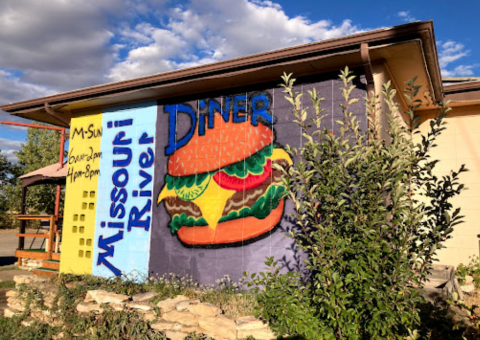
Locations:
(34, 235)
(31, 254)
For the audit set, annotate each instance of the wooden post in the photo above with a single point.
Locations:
(21, 240)
(51, 232)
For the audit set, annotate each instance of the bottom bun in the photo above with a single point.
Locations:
(234, 231)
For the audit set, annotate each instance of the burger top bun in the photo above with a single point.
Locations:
(225, 144)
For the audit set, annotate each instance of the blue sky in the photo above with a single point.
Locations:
(55, 46)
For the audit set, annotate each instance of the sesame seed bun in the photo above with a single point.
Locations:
(225, 144)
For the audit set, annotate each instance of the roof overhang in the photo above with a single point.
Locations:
(51, 174)
(463, 94)
(394, 45)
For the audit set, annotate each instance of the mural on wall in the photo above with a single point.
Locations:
(220, 186)
(188, 188)
(219, 208)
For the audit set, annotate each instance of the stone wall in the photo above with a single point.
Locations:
(174, 317)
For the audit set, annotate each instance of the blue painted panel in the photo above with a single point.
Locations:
(123, 220)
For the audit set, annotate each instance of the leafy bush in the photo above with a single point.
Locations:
(472, 269)
(371, 216)
(10, 328)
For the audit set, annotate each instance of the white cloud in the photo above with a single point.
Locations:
(460, 71)
(406, 16)
(208, 31)
(10, 154)
(14, 90)
(450, 52)
(58, 44)
(9, 147)
(10, 144)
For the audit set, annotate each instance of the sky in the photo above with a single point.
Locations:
(49, 47)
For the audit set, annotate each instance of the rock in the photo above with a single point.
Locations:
(183, 305)
(87, 307)
(175, 335)
(117, 306)
(92, 295)
(184, 318)
(249, 322)
(58, 336)
(467, 288)
(169, 304)
(28, 321)
(48, 300)
(468, 279)
(19, 279)
(141, 306)
(75, 284)
(102, 296)
(220, 326)
(11, 293)
(149, 316)
(28, 279)
(144, 297)
(197, 308)
(8, 313)
(18, 306)
(13, 300)
(164, 326)
(259, 334)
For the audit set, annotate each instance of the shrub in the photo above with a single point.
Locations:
(370, 215)
(472, 269)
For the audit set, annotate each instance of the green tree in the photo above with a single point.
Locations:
(8, 174)
(41, 148)
(5, 169)
(371, 216)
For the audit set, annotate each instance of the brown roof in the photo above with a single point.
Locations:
(313, 58)
(466, 93)
(48, 174)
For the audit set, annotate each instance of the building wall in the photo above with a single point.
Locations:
(460, 144)
(163, 166)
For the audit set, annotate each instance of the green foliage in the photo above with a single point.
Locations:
(371, 215)
(40, 149)
(252, 165)
(195, 336)
(7, 284)
(110, 324)
(10, 328)
(472, 269)
(8, 173)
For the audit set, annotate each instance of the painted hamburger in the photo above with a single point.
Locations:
(221, 188)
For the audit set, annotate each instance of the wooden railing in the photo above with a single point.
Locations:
(52, 237)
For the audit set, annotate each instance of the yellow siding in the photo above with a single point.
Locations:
(460, 144)
(81, 195)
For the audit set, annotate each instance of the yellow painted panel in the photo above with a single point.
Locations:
(81, 194)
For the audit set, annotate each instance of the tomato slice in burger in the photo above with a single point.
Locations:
(228, 182)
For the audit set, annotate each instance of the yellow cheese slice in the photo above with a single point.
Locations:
(211, 202)
(166, 193)
(281, 154)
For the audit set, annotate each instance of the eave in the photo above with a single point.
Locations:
(313, 58)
